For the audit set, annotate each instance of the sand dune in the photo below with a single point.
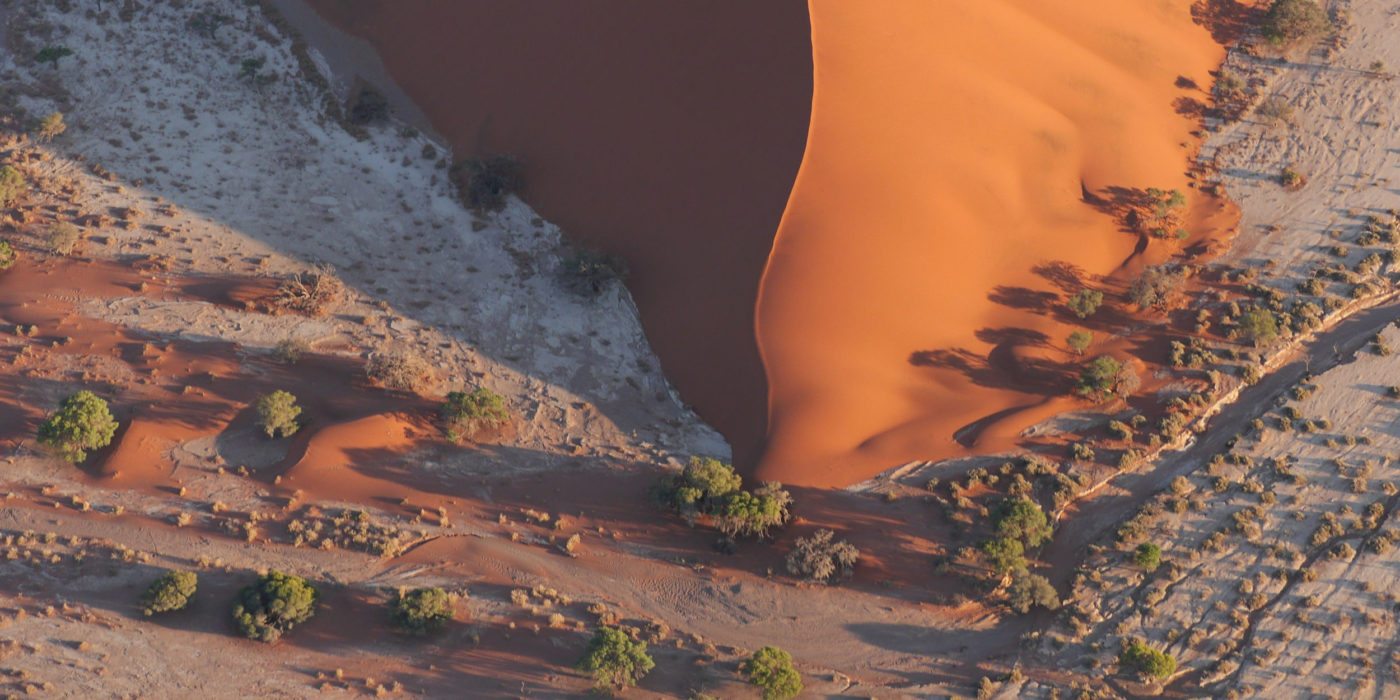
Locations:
(950, 148)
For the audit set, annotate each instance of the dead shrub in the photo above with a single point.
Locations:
(404, 371)
(315, 292)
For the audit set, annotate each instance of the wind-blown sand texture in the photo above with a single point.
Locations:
(943, 212)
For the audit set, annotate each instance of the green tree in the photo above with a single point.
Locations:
(1295, 21)
(615, 660)
(1148, 556)
(12, 185)
(1028, 590)
(52, 54)
(274, 605)
(702, 487)
(771, 669)
(1022, 519)
(466, 413)
(1005, 554)
(1259, 325)
(1146, 660)
(422, 610)
(172, 591)
(1105, 377)
(745, 513)
(82, 422)
(62, 238)
(1079, 341)
(277, 414)
(1085, 302)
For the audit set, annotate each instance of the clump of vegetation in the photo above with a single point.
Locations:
(172, 591)
(1105, 377)
(52, 54)
(1004, 554)
(590, 273)
(1165, 213)
(369, 106)
(486, 183)
(1291, 179)
(404, 371)
(1028, 590)
(1085, 302)
(1022, 519)
(822, 558)
(466, 413)
(62, 238)
(346, 529)
(7, 255)
(710, 487)
(1157, 287)
(82, 422)
(274, 605)
(1148, 556)
(1259, 326)
(755, 513)
(315, 292)
(289, 351)
(422, 610)
(50, 127)
(277, 414)
(1146, 660)
(615, 660)
(12, 185)
(1274, 111)
(771, 669)
(1079, 341)
(1295, 21)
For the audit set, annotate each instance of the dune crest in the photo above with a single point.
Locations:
(943, 210)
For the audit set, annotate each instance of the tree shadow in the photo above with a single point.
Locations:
(1227, 20)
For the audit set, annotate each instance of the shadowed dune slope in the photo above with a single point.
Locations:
(666, 132)
(910, 290)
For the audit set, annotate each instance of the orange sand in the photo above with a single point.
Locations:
(948, 146)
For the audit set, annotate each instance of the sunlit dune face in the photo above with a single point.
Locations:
(939, 215)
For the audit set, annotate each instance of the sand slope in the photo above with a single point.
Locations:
(950, 148)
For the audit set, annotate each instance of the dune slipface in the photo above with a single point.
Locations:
(665, 132)
(941, 199)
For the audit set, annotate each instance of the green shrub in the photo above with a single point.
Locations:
(52, 54)
(7, 255)
(1165, 213)
(1005, 554)
(745, 513)
(1293, 21)
(465, 413)
(1156, 287)
(1028, 590)
(1105, 377)
(1259, 326)
(771, 669)
(404, 371)
(422, 610)
(590, 273)
(702, 487)
(485, 183)
(1291, 179)
(12, 185)
(1022, 519)
(1148, 556)
(1085, 302)
(615, 660)
(172, 591)
(1079, 341)
(82, 422)
(822, 557)
(1146, 660)
(273, 606)
(277, 414)
(62, 238)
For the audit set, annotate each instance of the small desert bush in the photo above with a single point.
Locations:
(1085, 302)
(315, 292)
(82, 422)
(274, 605)
(347, 529)
(1291, 179)
(7, 255)
(1148, 556)
(422, 610)
(369, 106)
(822, 558)
(172, 591)
(277, 414)
(486, 183)
(1079, 341)
(589, 273)
(1146, 660)
(289, 351)
(12, 185)
(771, 669)
(62, 238)
(1295, 21)
(754, 513)
(404, 371)
(50, 127)
(1028, 590)
(466, 413)
(615, 660)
